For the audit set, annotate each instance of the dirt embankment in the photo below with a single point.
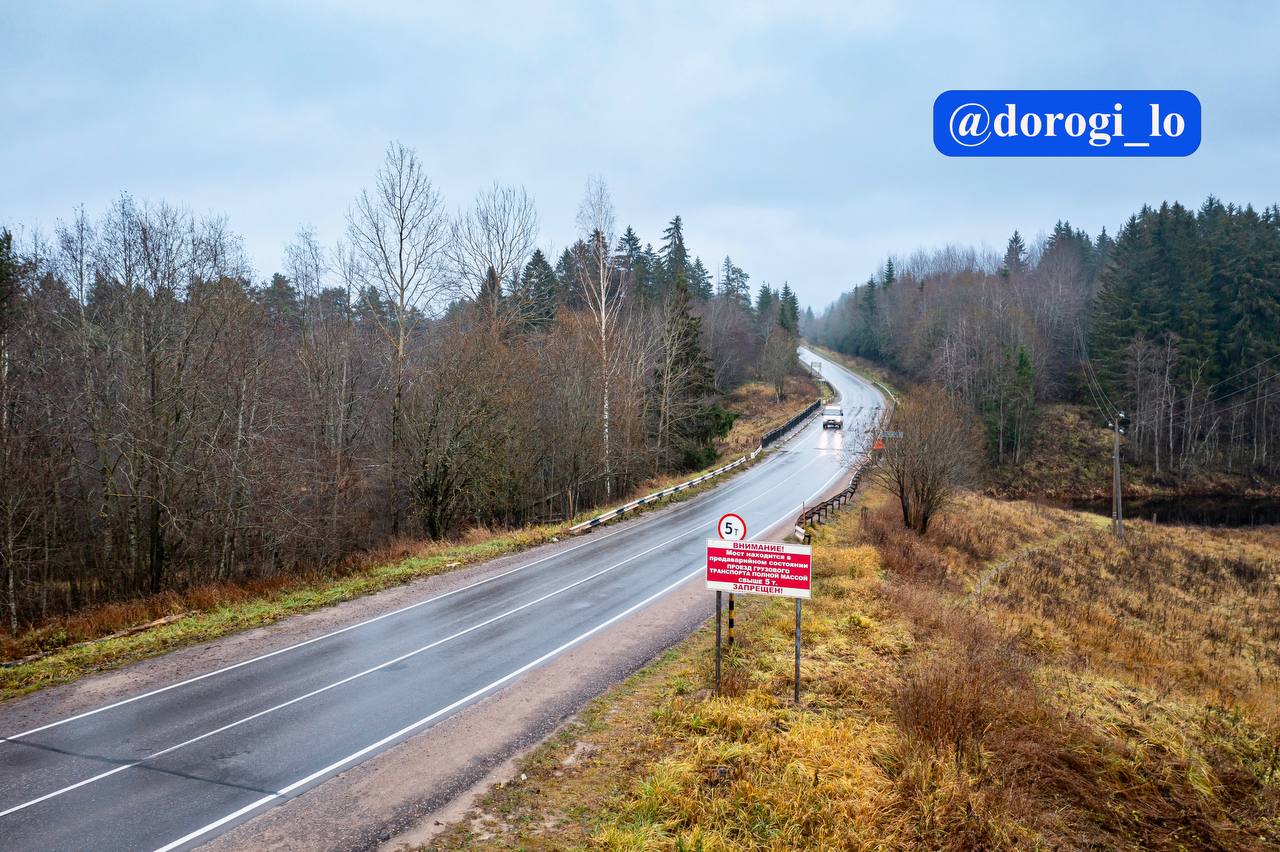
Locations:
(1070, 459)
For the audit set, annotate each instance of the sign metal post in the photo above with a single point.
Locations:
(797, 692)
(718, 594)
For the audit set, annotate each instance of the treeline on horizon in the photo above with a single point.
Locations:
(1174, 323)
(166, 422)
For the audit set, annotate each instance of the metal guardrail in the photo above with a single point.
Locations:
(769, 438)
(774, 434)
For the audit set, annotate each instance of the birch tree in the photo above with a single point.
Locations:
(603, 293)
(400, 230)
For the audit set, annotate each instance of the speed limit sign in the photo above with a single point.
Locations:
(731, 527)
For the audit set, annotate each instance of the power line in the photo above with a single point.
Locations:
(1244, 402)
(1242, 372)
(1201, 406)
(1091, 380)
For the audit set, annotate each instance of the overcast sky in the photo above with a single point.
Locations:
(798, 141)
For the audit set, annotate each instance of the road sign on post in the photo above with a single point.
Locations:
(759, 567)
(778, 569)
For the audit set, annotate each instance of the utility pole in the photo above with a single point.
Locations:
(1117, 506)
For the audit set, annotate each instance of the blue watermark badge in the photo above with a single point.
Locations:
(1066, 123)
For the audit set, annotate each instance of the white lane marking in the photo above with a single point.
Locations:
(426, 720)
(594, 540)
(168, 750)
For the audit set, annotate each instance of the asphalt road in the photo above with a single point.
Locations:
(176, 766)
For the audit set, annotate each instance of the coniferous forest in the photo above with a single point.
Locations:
(1173, 323)
(166, 419)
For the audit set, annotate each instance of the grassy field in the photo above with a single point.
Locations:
(109, 636)
(1017, 679)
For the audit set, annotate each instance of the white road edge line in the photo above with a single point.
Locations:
(408, 729)
(169, 749)
(302, 644)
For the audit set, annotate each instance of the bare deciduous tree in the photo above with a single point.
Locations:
(489, 245)
(400, 231)
(934, 458)
(778, 360)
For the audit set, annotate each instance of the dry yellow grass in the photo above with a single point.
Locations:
(1092, 695)
(758, 410)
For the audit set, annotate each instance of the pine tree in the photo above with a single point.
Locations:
(734, 283)
(280, 299)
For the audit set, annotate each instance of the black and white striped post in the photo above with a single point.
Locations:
(718, 596)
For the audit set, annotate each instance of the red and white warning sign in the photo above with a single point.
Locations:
(759, 567)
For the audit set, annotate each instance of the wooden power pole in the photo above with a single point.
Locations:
(1117, 504)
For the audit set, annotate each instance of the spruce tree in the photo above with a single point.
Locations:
(567, 284)
(9, 286)
(765, 300)
(650, 274)
(1015, 257)
(700, 280)
(686, 419)
(628, 250)
(890, 273)
(675, 257)
(540, 288)
(789, 315)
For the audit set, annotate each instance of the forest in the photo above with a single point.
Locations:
(167, 421)
(1171, 329)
